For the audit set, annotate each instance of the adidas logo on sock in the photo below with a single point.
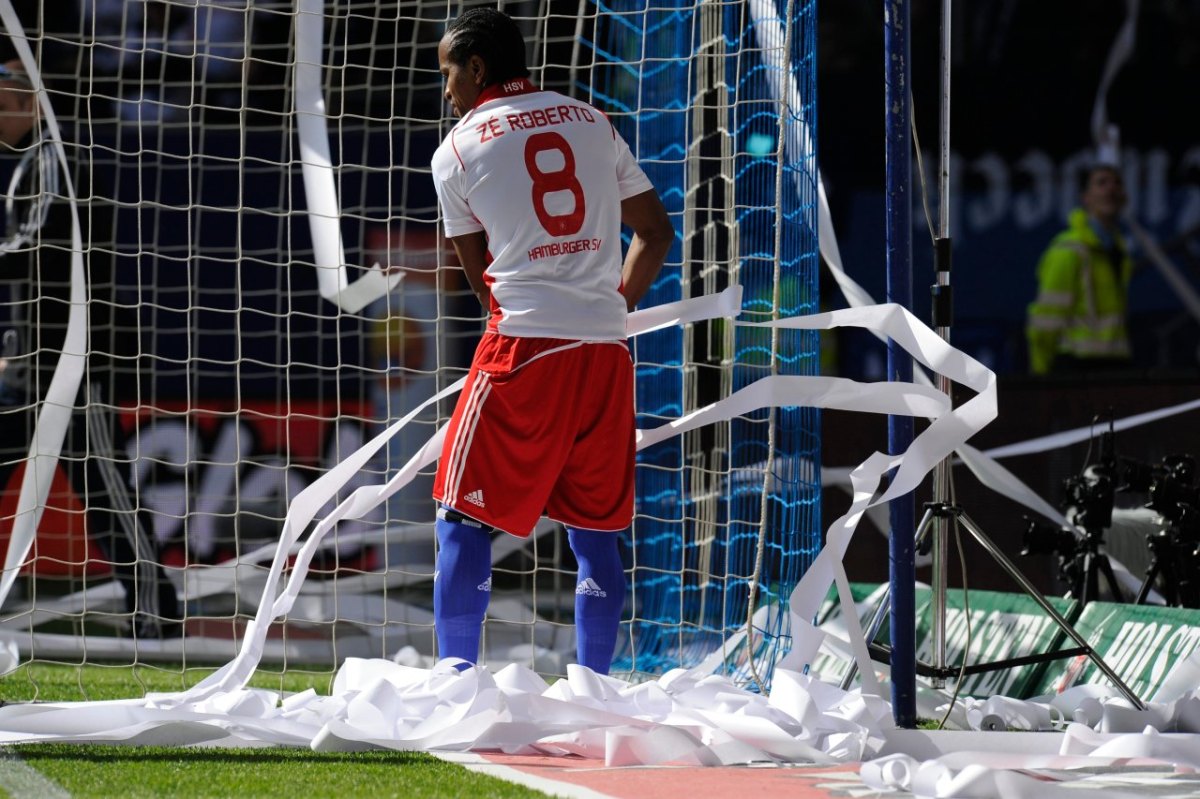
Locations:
(475, 497)
(486, 585)
(590, 587)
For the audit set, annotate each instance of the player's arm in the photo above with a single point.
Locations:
(653, 234)
(472, 255)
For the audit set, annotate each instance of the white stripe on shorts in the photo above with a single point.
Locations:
(466, 434)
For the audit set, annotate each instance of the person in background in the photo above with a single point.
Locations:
(35, 274)
(1077, 323)
(160, 60)
(534, 187)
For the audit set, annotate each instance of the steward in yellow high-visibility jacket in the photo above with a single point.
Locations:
(1078, 319)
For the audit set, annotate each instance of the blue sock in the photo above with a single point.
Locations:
(462, 585)
(599, 597)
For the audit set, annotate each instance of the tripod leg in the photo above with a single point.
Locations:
(1088, 591)
(1037, 597)
(1170, 583)
(885, 606)
(1147, 584)
(1107, 570)
(1186, 588)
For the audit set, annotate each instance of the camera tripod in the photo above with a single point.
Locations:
(1084, 568)
(1169, 560)
(942, 512)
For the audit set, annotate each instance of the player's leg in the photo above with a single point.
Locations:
(594, 497)
(505, 446)
(462, 584)
(507, 440)
(599, 596)
(462, 574)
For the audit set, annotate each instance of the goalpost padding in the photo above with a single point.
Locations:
(247, 384)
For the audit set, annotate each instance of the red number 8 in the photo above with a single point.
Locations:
(559, 180)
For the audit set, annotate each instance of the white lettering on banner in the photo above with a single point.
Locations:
(1124, 649)
(1008, 635)
(1036, 190)
(184, 475)
(1155, 207)
(989, 208)
(1147, 649)
(1181, 644)
(1032, 207)
(1189, 217)
(1137, 642)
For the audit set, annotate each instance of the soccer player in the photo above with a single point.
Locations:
(534, 187)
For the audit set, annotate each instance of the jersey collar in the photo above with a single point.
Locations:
(508, 88)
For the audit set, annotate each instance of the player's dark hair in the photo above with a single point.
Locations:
(494, 37)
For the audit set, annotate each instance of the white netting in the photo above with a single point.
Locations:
(242, 166)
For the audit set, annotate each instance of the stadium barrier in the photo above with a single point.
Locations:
(1142, 643)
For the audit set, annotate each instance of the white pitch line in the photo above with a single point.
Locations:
(22, 781)
(482, 765)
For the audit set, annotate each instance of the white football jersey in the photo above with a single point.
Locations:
(543, 176)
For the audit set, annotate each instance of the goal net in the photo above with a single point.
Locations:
(266, 290)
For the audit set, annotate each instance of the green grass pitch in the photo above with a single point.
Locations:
(118, 771)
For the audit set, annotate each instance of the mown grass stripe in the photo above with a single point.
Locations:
(263, 773)
(20, 780)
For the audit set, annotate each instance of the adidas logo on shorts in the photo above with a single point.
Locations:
(486, 585)
(475, 497)
(590, 587)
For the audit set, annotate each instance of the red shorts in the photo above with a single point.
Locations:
(543, 426)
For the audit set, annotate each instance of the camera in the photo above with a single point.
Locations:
(1046, 539)
(1173, 490)
(1088, 499)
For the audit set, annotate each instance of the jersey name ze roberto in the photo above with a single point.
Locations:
(543, 176)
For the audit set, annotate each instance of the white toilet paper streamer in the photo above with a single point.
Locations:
(55, 413)
(949, 428)
(839, 726)
(682, 717)
(316, 167)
